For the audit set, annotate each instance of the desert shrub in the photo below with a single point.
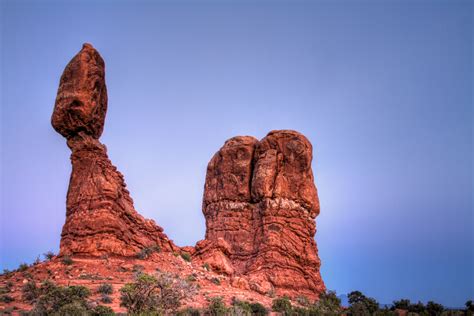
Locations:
(191, 278)
(49, 255)
(189, 312)
(69, 300)
(105, 288)
(5, 298)
(6, 271)
(30, 292)
(23, 267)
(101, 310)
(240, 308)
(303, 300)
(105, 299)
(67, 260)
(138, 268)
(206, 266)
(258, 309)
(147, 251)
(216, 281)
(73, 309)
(216, 307)
(328, 304)
(160, 294)
(186, 256)
(246, 308)
(282, 305)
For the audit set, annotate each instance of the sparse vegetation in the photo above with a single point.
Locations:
(30, 292)
(105, 299)
(147, 251)
(49, 255)
(105, 288)
(189, 312)
(216, 307)
(162, 293)
(328, 304)
(67, 260)
(206, 266)
(282, 305)
(50, 298)
(216, 281)
(240, 307)
(23, 267)
(101, 310)
(186, 256)
(191, 278)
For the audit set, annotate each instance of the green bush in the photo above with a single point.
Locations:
(258, 309)
(186, 256)
(246, 308)
(101, 310)
(328, 304)
(147, 251)
(73, 309)
(49, 255)
(150, 294)
(105, 299)
(282, 305)
(216, 307)
(189, 312)
(23, 267)
(68, 300)
(67, 260)
(105, 288)
(30, 292)
(362, 304)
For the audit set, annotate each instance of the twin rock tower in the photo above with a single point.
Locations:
(260, 201)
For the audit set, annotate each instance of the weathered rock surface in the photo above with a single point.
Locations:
(260, 203)
(100, 217)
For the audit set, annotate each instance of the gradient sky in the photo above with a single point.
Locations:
(383, 90)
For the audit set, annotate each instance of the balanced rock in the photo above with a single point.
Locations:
(260, 204)
(100, 216)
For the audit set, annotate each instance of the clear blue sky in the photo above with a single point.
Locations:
(383, 90)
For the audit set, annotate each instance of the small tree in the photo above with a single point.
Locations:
(149, 294)
(361, 304)
(434, 308)
(282, 305)
(49, 255)
(469, 306)
(401, 304)
(328, 303)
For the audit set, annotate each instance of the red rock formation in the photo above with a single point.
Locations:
(100, 217)
(260, 203)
